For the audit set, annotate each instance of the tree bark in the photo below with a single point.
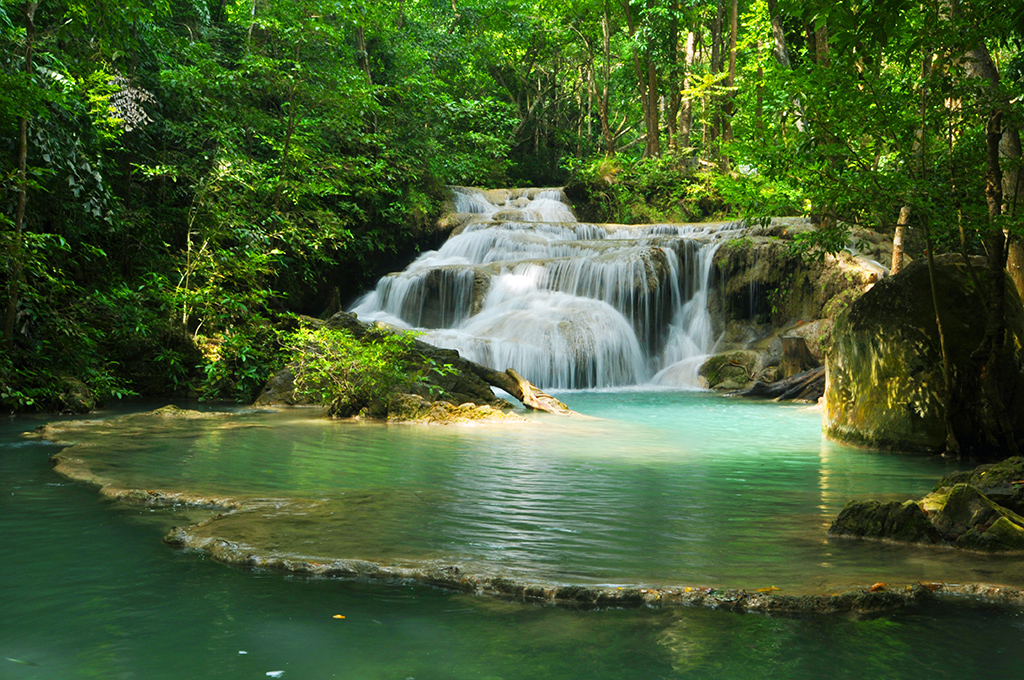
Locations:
(999, 429)
(686, 109)
(1010, 155)
(782, 56)
(728, 108)
(897, 240)
(602, 101)
(17, 272)
(716, 65)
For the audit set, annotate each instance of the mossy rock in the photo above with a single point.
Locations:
(960, 516)
(1003, 482)
(1002, 536)
(75, 396)
(885, 380)
(412, 408)
(964, 508)
(731, 370)
(904, 522)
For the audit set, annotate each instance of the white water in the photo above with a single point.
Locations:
(569, 305)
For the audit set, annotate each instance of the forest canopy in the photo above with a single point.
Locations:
(181, 175)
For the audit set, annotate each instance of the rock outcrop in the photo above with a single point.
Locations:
(766, 296)
(460, 393)
(885, 380)
(959, 515)
(1003, 482)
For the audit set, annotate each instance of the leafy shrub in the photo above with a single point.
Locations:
(349, 374)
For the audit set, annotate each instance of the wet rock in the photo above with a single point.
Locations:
(447, 378)
(730, 370)
(765, 285)
(885, 370)
(1002, 482)
(416, 409)
(75, 396)
(904, 522)
(959, 515)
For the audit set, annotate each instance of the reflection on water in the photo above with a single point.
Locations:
(89, 591)
(658, 488)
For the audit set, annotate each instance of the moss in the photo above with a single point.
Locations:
(730, 370)
(1003, 482)
(885, 381)
(959, 515)
(1003, 536)
(904, 522)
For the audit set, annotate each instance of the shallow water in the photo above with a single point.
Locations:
(656, 489)
(666, 487)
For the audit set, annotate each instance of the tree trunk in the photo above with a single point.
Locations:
(362, 55)
(821, 46)
(716, 65)
(728, 108)
(653, 111)
(639, 70)
(1010, 154)
(673, 86)
(996, 420)
(897, 240)
(17, 255)
(602, 101)
(686, 110)
(782, 56)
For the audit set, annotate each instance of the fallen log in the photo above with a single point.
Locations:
(806, 386)
(519, 387)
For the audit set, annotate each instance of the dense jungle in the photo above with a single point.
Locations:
(182, 178)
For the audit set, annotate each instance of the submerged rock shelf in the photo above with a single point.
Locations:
(453, 577)
(231, 537)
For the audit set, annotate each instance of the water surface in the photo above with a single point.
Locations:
(89, 591)
(654, 489)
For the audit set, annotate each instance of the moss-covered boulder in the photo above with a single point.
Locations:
(905, 522)
(1003, 482)
(761, 284)
(884, 366)
(958, 515)
(731, 370)
(434, 375)
(412, 408)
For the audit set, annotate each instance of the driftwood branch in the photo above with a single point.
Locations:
(520, 388)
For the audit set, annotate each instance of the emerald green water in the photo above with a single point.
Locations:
(663, 488)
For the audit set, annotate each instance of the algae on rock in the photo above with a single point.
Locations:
(958, 515)
(885, 385)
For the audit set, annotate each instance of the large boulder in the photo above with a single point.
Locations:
(885, 383)
(1003, 482)
(958, 515)
(731, 370)
(761, 284)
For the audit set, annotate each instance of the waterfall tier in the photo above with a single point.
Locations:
(523, 285)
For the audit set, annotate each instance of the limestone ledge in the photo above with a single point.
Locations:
(863, 600)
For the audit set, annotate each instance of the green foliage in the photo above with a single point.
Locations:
(196, 169)
(237, 362)
(667, 189)
(334, 368)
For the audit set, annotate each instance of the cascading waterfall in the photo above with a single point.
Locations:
(523, 285)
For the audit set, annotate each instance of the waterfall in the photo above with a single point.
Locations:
(569, 305)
